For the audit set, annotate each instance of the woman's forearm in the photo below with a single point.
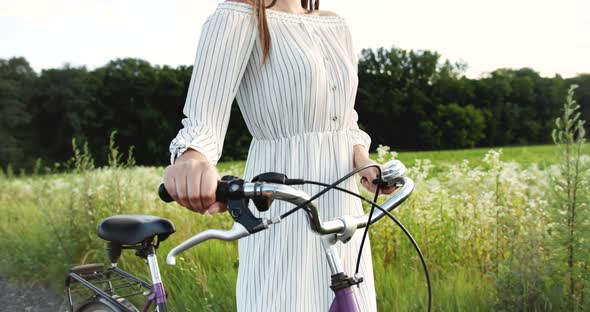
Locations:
(361, 156)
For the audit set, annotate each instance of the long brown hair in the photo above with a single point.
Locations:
(259, 9)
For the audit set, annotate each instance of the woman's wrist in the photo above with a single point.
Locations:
(191, 154)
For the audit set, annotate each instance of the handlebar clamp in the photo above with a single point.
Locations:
(350, 228)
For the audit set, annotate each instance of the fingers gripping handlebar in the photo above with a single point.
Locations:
(221, 193)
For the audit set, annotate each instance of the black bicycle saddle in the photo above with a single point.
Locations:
(131, 229)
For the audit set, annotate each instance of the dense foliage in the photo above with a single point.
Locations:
(410, 100)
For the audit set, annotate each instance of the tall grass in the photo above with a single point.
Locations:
(570, 228)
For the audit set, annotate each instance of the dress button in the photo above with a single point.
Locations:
(334, 118)
(333, 88)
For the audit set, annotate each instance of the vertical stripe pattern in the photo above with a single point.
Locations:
(299, 108)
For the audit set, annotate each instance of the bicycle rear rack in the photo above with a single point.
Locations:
(105, 284)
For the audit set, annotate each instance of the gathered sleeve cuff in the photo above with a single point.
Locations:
(358, 136)
(224, 48)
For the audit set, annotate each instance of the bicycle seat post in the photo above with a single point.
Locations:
(158, 293)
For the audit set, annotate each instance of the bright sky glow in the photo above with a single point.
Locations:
(550, 36)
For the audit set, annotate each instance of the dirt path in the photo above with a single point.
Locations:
(16, 297)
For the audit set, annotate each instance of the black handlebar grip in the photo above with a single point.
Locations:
(220, 192)
(163, 193)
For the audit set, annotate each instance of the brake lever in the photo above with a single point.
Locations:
(239, 211)
(242, 215)
(245, 224)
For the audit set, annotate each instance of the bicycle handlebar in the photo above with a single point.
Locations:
(238, 189)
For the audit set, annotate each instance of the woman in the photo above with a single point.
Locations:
(293, 72)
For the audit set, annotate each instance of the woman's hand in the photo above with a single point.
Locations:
(361, 159)
(191, 181)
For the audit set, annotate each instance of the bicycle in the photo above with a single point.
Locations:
(139, 232)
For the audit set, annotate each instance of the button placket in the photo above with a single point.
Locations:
(331, 88)
(326, 60)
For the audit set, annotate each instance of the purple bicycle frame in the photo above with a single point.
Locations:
(345, 301)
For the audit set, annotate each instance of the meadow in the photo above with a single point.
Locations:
(483, 218)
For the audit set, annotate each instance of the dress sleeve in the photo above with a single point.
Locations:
(358, 136)
(223, 50)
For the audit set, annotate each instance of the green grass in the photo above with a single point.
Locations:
(472, 224)
(541, 155)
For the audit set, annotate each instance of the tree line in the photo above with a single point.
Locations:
(409, 100)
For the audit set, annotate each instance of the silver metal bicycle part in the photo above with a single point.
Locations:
(297, 197)
(237, 231)
(392, 173)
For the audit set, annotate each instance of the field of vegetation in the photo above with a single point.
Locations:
(502, 229)
(483, 219)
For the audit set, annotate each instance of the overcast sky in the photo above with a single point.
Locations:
(551, 36)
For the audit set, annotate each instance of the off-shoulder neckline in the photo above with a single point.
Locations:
(296, 17)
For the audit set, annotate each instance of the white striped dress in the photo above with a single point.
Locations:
(299, 108)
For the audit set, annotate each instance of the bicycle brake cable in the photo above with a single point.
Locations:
(358, 259)
(399, 224)
(373, 206)
(331, 186)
